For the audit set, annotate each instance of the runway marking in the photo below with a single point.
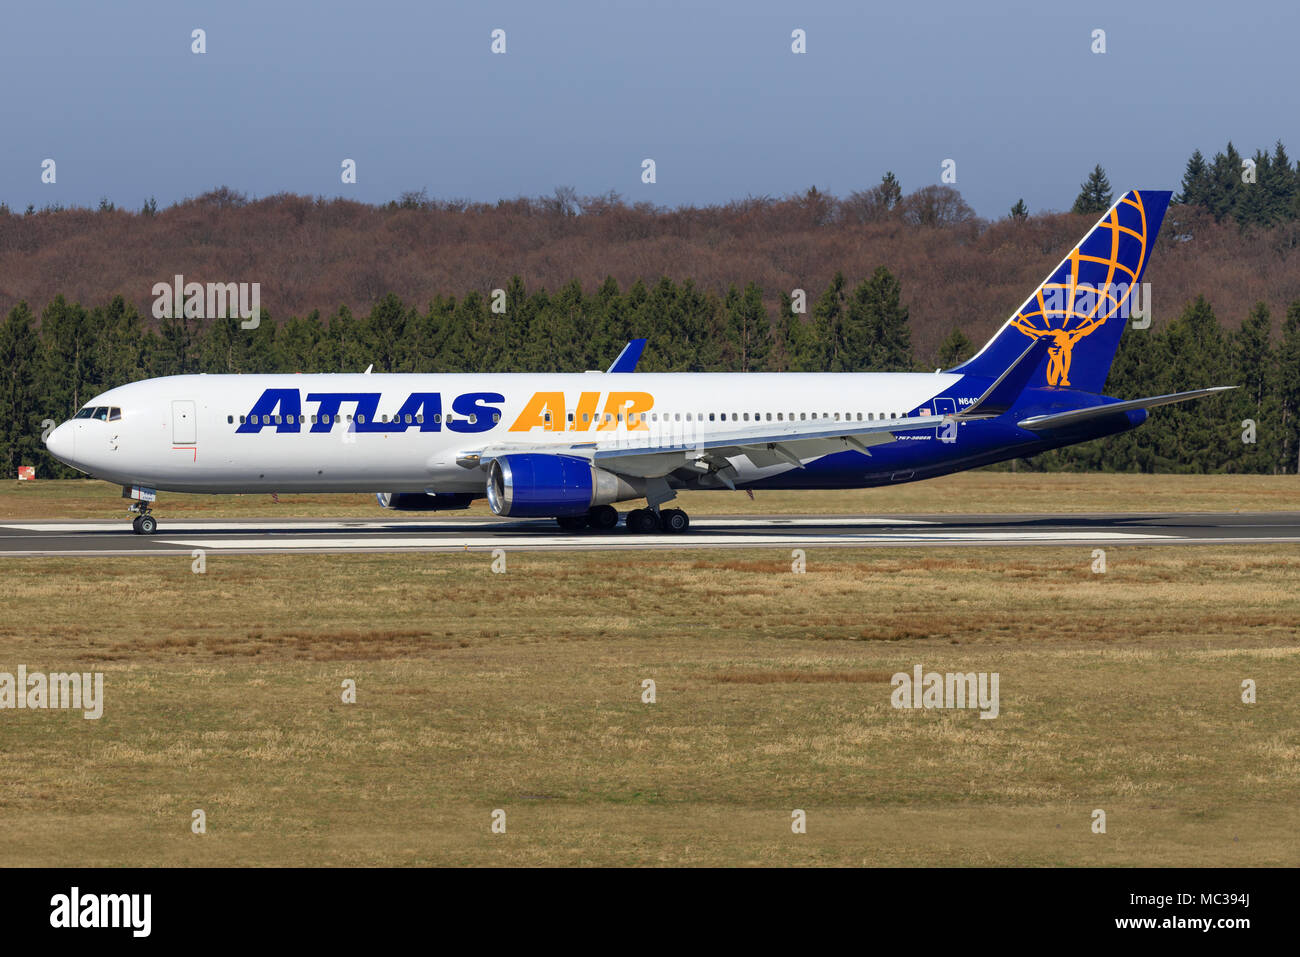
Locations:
(665, 541)
(440, 533)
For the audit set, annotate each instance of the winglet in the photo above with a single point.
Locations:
(629, 357)
(1002, 394)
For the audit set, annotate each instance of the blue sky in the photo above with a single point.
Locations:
(586, 90)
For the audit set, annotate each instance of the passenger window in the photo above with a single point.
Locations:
(496, 417)
(419, 418)
(437, 417)
(230, 420)
(241, 420)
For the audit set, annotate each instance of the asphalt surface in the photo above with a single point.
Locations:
(440, 533)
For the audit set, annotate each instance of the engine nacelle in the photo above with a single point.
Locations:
(423, 501)
(536, 485)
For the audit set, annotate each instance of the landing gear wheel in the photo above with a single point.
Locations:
(642, 521)
(135, 525)
(674, 520)
(602, 518)
(572, 523)
(145, 525)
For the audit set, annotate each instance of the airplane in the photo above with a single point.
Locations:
(572, 446)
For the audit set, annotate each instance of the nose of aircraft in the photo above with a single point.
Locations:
(62, 441)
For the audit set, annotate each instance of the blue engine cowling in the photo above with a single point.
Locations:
(532, 485)
(424, 502)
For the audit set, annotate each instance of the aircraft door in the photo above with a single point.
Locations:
(942, 407)
(184, 429)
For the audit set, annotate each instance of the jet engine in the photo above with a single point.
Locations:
(533, 485)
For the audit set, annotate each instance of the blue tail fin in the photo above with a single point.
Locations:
(1083, 306)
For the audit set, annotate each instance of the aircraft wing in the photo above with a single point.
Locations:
(650, 454)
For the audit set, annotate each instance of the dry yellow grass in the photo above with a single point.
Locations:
(523, 692)
(978, 491)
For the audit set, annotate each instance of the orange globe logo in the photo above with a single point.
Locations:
(1093, 285)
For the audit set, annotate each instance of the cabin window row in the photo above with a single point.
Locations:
(408, 419)
(642, 417)
(740, 417)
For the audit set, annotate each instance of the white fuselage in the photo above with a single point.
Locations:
(406, 432)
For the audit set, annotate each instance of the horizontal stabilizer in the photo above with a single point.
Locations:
(1060, 420)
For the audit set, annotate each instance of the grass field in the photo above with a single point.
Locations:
(978, 491)
(522, 691)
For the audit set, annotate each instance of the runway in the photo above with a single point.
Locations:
(425, 534)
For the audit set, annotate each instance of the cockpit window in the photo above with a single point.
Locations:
(102, 412)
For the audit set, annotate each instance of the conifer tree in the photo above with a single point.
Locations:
(1288, 390)
(955, 349)
(20, 412)
(748, 332)
(829, 352)
(1094, 194)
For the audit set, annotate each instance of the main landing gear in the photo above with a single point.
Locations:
(144, 523)
(639, 521)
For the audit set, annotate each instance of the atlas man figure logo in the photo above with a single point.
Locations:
(1063, 342)
(1068, 311)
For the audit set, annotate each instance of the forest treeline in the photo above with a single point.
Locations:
(959, 270)
(52, 364)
